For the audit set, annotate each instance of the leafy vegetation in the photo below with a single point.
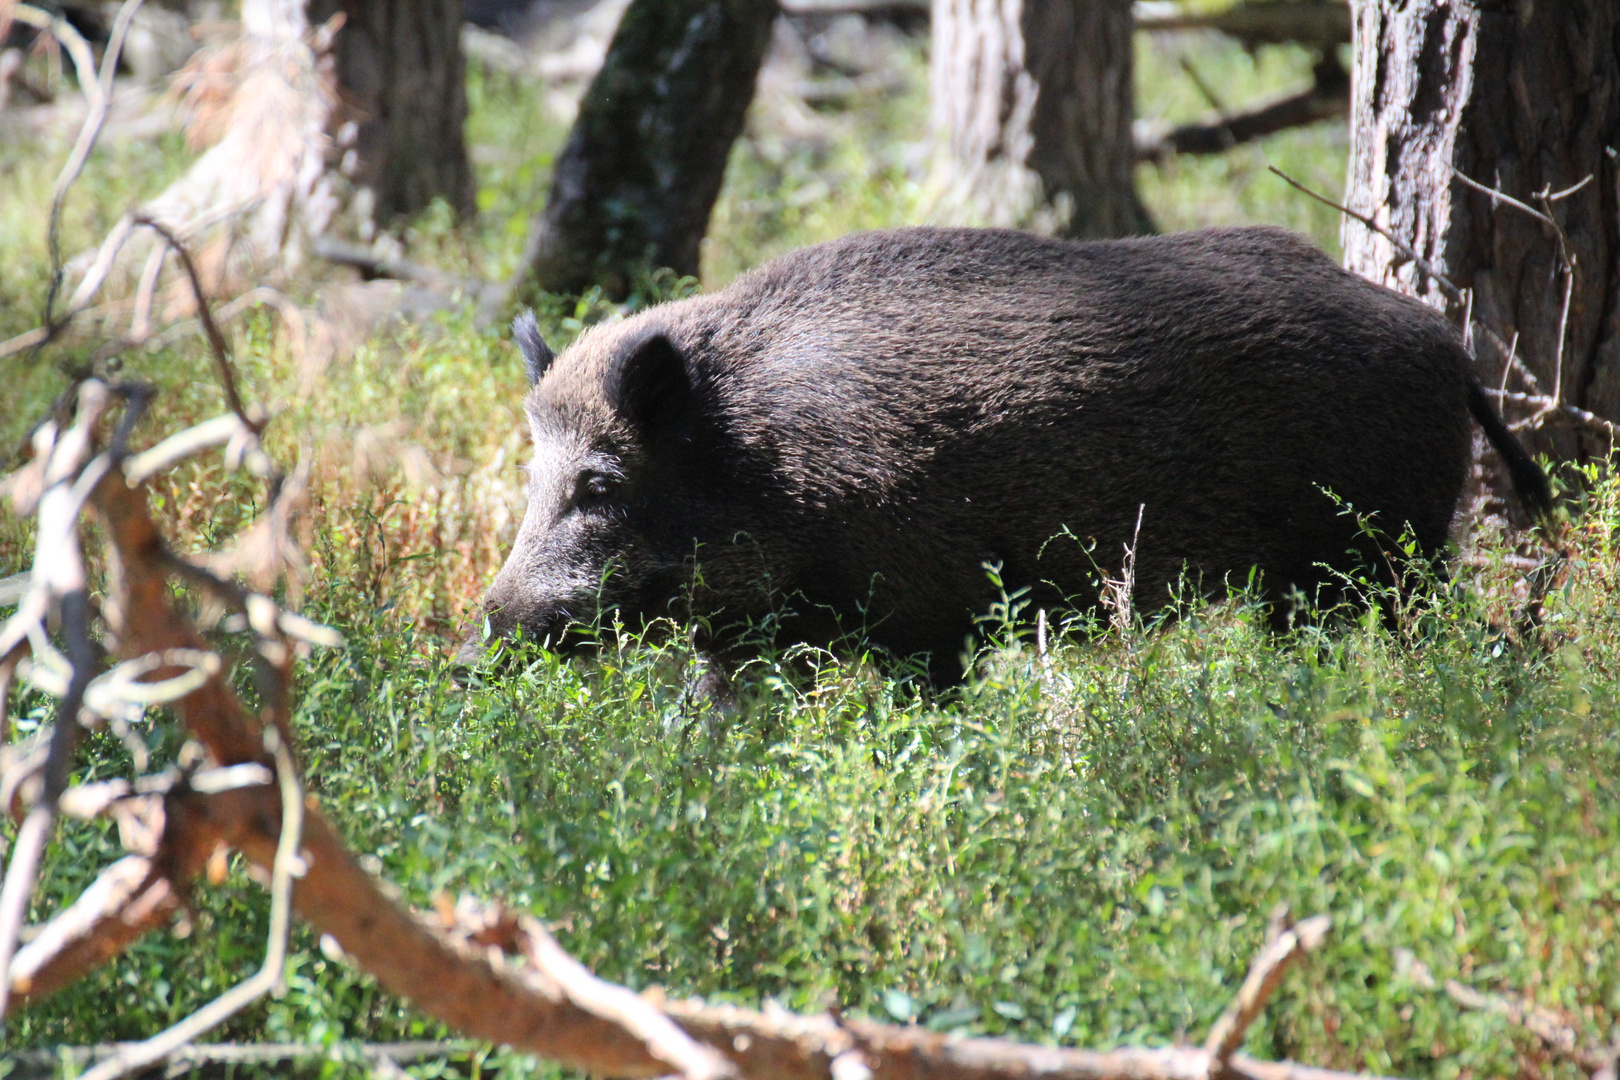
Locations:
(1086, 856)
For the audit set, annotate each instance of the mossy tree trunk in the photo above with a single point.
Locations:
(639, 175)
(1033, 100)
(1522, 96)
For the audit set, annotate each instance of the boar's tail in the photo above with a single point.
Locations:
(1529, 482)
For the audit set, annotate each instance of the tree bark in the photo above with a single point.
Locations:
(1522, 96)
(313, 126)
(634, 186)
(1033, 99)
(402, 84)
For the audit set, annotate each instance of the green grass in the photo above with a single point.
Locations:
(1090, 864)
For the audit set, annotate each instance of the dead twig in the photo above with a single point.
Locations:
(1118, 593)
(216, 340)
(285, 866)
(1446, 284)
(98, 91)
(1265, 974)
(634, 1014)
(1553, 1028)
(57, 580)
(1499, 197)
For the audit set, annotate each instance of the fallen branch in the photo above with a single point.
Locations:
(44, 1064)
(492, 976)
(1553, 1028)
(1327, 99)
(285, 866)
(1265, 974)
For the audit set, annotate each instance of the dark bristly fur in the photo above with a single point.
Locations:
(857, 429)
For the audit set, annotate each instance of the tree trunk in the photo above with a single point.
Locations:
(634, 186)
(1522, 96)
(312, 126)
(1034, 99)
(402, 84)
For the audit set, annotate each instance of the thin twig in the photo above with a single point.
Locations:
(176, 448)
(1572, 189)
(1545, 406)
(1497, 196)
(86, 142)
(216, 340)
(1402, 246)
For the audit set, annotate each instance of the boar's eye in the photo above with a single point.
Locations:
(593, 488)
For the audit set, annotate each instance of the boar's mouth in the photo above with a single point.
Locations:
(556, 631)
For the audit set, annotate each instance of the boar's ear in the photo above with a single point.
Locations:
(536, 355)
(651, 387)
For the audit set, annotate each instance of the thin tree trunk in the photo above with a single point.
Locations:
(1523, 97)
(634, 186)
(1034, 100)
(402, 82)
(316, 133)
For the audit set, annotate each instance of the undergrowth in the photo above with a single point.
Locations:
(1084, 856)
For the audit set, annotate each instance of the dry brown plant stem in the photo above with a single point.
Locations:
(98, 93)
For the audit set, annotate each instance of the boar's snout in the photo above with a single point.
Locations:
(549, 626)
(511, 608)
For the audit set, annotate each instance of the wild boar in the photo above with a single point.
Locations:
(844, 439)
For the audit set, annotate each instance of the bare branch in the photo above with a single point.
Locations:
(285, 866)
(1328, 98)
(1264, 976)
(633, 1014)
(1546, 408)
(99, 92)
(1402, 246)
(176, 448)
(216, 340)
(1498, 197)
(1554, 1029)
(21, 869)
(126, 901)
(1572, 189)
(57, 575)
(455, 970)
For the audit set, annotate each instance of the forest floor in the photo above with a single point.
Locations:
(1085, 855)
